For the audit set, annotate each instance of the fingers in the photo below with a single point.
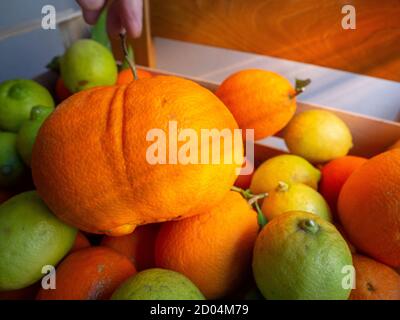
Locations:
(114, 25)
(91, 5)
(91, 9)
(91, 16)
(125, 15)
(131, 17)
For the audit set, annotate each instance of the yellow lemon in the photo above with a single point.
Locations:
(318, 136)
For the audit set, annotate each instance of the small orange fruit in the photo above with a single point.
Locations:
(369, 207)
(137, 246)
(259, 99)
(243, 181)
(81, 242)
(27, 293)
(126, 76)
(61, 90)
(374, 280)
(334, 175)
(395, 145)
(213, 249)
(89, 274)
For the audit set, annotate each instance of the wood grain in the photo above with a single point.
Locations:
(143, 46)
(302, 30)
(371, 136)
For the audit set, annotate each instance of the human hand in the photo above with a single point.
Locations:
(123, 15)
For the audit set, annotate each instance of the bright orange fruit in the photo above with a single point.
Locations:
(102, 168)
(259, 99)
(137, 246)
(334, 175)
(89, 274)
(126, 76)
(81, 242)
(213, 249)
(61, 90)
(369, 208)
(374, 280)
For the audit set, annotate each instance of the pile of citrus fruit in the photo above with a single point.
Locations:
(82, 195)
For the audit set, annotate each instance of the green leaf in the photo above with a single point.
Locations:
(301, 85)
(99, 30)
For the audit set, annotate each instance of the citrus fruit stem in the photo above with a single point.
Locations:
(257, 197)
(300, 86)
(282, 186)
(309, 225)
(245, 193)
(130, 61)
(261, 219)
(252, 200)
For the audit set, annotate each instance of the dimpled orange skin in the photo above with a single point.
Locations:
(81, 242)
(369, 208)
(334, 175)
(89, 274)
(137, 246)
(259, 100)
(374, 280)
(126, 76)
(89, 160)
(213, 249)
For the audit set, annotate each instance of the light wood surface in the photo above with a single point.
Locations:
(143, 47)
(301, 30)
(339, 89)
(371, 135)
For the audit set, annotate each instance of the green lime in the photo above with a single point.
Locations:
(27, 133)
(12, 168)
(299, 256)
(87, 64)
(158, 284)
(17, 97)
(31, 237)
(294, 197)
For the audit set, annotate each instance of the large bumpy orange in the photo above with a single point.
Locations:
(95, 161)
(369, 207)
(213, 249)
(259, 100)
